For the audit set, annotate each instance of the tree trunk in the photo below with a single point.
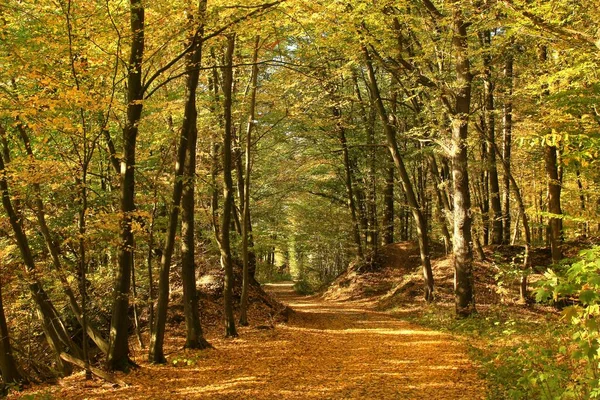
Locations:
(443, 208)
(583, 225)
(224, 243)
(490, 125)
(388, 209)
(182, 166)
(553, 178)
(194, 335)
(370, 210)
(56, 334)
(118, 353)
(462, 241)
(554, 208)
(348, 181)
(246, 224)
(420, 221)
(506, 145)
(54, 251)
(8, 366)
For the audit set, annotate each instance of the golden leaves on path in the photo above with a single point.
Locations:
(326, 351)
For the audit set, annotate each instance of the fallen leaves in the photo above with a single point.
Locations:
(326, 351)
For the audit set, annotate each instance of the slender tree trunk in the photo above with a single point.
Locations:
(246, 224)
(584, 225)
(56, 334)
(485, 193)
(490, 125)
(54, 251)
(554, 208)
(506, 145)
(8, 366)
(388, 209)
(83, 259)
(420, 221)
(526, 229)
(184, 160)
(554, 181)
(224, 243)
(443, 208)
(348, 181)
(118, 353)
(462, 240)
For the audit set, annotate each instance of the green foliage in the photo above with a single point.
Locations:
(187, 361)
(579, 285)
(520, 357)
(303, 286)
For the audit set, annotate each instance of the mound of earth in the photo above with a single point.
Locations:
(495, 282)
(393, 275)
(263, 309)
(377, 274)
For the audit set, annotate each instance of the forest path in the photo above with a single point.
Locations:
(326, 351)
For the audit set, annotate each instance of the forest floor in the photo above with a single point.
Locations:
(326, 350)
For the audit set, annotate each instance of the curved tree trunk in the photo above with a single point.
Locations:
(420, 221)
(57, 336)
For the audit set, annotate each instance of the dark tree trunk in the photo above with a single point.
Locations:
(554, 208)
(56, 334)
(554, 180)
(194, 335)
(369, 201)
(246, 223)
(388, 209)
(156, 343)
(8, 366)
(490, 128)
(583, 225)
(224, 243)
(348, 179)
(462, 241)
(506, 145)
(118, 353)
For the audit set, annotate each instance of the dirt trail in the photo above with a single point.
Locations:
(326, 351)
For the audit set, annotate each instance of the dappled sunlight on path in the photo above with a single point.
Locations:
(326, 351)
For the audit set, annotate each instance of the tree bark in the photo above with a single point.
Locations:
(194, 335)
(118, 353)
(246, 223)
(490, 125)
(337, 113)
(554, 208)
(8, 366)
(553, 179)
(506, 145)
(388, 209)
(462, 241)
(224, 243)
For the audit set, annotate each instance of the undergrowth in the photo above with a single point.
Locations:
(521, 356)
